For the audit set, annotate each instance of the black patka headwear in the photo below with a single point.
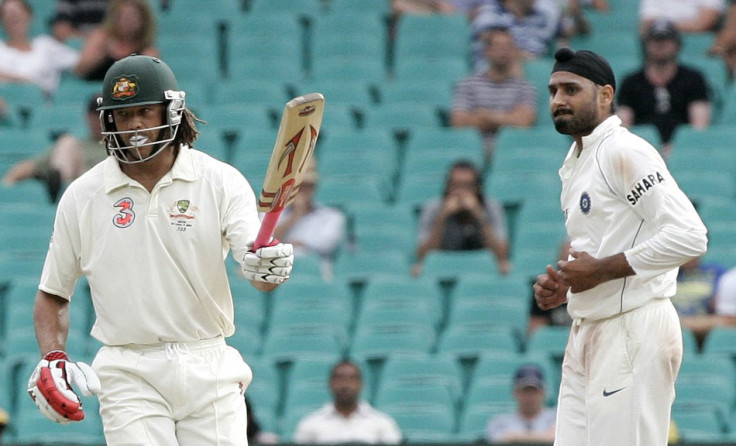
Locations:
(586, 64)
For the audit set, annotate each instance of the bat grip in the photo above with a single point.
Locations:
(268, 225)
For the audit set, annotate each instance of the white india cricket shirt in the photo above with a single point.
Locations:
(618, 196)
(154, 261)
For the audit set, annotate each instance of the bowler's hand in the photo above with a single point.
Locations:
(581, 273)
(549, 290)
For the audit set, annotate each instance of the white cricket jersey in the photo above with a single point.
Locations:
(154, 261)
(618, 196)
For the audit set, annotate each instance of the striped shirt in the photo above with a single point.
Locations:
(478, 91)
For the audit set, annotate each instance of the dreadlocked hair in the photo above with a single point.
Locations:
(188, 132)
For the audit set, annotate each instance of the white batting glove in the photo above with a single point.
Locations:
(51, 390)
(269, 264)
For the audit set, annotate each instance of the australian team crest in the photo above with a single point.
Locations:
(182, 206)
(125, 87)
(182, 214)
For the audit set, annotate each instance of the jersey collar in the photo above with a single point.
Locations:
(183, 169)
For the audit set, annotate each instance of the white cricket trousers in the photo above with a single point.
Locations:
(618, 379)
(173, 394)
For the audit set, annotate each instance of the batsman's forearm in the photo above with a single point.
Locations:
(51, 321)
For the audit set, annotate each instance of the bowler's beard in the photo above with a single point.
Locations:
(581, 123)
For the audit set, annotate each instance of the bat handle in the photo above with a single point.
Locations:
(268, 225)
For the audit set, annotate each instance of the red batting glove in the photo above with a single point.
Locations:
(51, 390)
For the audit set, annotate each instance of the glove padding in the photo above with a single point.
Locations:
(51, 390)
(269, 264)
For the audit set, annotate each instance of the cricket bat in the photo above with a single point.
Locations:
(295, 142)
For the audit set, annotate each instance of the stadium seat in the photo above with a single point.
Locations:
(437, 93)
(515, 187)
(402, 291)
(341, 190)
(363, 266)
(31, 427)
(469, 342)
(264, 391)
(404, 116)
(425, 423)
(720, 341)
(424, 370)
(436, 149)
(300, 399)
(362, 7)
(263, 8)
(513, 314)
(450, 265)
(432, 36)
(493, 288)
(289, 344)
(550, 340)
(414, 189)
(698, 426)
(378, 342)
(247, 339)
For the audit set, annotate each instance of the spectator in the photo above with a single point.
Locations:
(463, 219)
(664, 92)
(67, 159)
(723, 311)
(535, 26)
(724, 44)
(347, 419)
(312, 227)
(497, 97)
(76, 18)
(554, 316)
(696, 287)
(688, 16)
(532, 422)
(39, 60)
(129, 27)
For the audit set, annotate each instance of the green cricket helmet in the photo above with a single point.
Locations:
(134, 81)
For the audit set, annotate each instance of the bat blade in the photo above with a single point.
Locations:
(301, 121)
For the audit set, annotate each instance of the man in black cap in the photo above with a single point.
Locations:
(630, 228)
(664, 92)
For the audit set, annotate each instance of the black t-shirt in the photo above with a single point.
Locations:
(665, 108)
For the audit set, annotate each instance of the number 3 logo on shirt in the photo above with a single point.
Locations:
(125, 217)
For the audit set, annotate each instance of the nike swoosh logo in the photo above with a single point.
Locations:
(605, 394)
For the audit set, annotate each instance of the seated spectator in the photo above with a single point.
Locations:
(532, 422)
(76, 18)
(724, 44)
(664, 92)
(67, 159)
(497, 97)
(312, 227)
(129, 27)
(36, 60)
(696, 288)
(463, 219)
(688, 16)
(535, 26)
(723, 309)
(347, 419)
(555, 316)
